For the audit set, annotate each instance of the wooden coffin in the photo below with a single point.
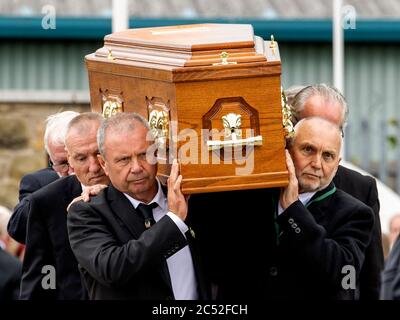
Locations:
(212, 95)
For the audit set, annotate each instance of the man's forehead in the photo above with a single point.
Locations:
(321, 102)
(319, 106)
(325, 146)
(138, 133)
(77, 136)
(57, 149)
(318, 133)
(84, 125)
(84, 146)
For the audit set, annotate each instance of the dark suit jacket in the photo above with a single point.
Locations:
(246, 262)
(47, 243)
(364, 189)
(119, 259)
(10, 276)
(29, 183)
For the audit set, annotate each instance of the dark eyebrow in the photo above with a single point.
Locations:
(122, 156)
(307, 144)
(330, 152)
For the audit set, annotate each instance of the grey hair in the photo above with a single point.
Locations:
(79, 123)
(120, 122)
(291, 92)
(329, 93)
(56, 128)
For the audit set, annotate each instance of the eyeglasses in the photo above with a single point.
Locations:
(60, 167)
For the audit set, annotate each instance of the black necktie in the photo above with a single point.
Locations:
(147, 212)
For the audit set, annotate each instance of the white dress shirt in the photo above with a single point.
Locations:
(180, 264)
(303, 197)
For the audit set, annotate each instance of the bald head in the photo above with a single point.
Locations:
(318, 126)
(315, 150)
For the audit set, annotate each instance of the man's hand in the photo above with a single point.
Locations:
(289, 194)
(92, 191)
(177, 203)
(89, 191)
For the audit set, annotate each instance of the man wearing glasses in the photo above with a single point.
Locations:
(62, 169)
(54, 137)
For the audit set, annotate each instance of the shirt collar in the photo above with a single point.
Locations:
(303, 197)
(159, 198)
(306, 196)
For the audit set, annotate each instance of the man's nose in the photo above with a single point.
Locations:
(94, 165)
(70, 170)
(316, 161)
(135, 166)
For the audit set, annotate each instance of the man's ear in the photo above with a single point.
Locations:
(289, 141)
(103, 163)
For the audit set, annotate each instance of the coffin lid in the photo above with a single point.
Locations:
(185, 45)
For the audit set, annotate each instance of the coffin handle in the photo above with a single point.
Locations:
(219, 144)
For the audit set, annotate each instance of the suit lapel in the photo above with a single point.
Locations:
(121, 206)
(76, 187)
(320, 200)
(72, 190)
(202, 282)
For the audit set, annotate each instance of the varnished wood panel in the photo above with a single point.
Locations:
(197, 98)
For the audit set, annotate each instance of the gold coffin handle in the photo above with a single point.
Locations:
(219, 144)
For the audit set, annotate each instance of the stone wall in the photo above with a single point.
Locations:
(21, 143)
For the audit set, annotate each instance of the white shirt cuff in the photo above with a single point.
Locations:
(179, 223)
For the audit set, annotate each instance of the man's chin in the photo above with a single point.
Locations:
(98, 180)
(139, 182)
(137, 190)
(306, 187)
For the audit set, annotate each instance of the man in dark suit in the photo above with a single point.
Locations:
(310, 235)
(323, 101)
(321, 231)
(50, 270)
(54, 137)
(121, 253)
